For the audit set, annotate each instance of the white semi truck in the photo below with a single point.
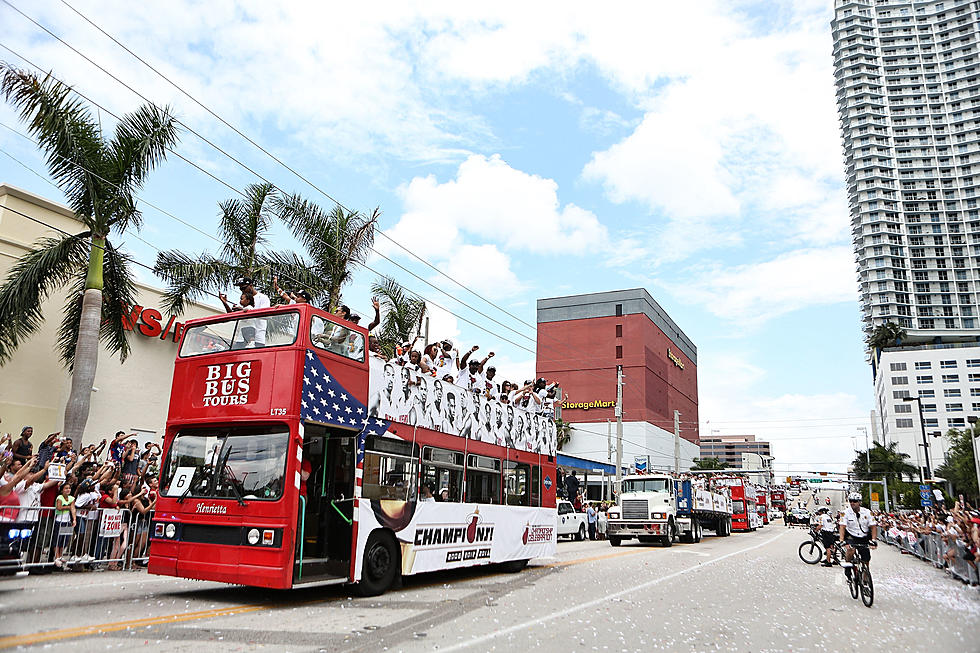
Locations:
(657, 507)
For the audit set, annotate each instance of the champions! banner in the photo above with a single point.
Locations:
(398, 394)
(441, 535)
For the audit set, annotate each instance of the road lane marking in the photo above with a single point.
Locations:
(594, 602)
(578, 561)
(98, 629)
(83, 631)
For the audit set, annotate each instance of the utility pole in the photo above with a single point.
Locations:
(677, 442)
(884, 483)
(609, 441)
(619, 430)
(426, 340)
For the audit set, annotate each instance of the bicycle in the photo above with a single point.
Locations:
(859, 580)
(811, 551)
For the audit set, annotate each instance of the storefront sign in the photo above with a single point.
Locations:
(567, 405)
(675, 359)
(150, 322)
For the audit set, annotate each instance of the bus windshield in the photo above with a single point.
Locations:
(241, 332)
(738, 507)
(645, 485)
(227, 463)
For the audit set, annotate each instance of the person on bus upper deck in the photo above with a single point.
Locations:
(492, 387)
(448, 361)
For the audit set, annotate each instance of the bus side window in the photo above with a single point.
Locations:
(442, 469)
(517, 482)
(482, 479)
(388, 476)
(535, 486)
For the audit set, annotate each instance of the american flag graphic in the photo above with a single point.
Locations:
(325, 401)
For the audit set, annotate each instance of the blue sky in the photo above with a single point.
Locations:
(530, 151)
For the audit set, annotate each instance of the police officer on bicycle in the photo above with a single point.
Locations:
(857, 528)
(828, 534)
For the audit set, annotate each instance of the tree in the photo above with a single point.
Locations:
(886, 461)
(959, 467)
(243, 228)
(99, 178)
(403, 317)
(708, 463)
(884, 335)
(337, 241)
(564, 433)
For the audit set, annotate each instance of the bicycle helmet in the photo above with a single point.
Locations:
(854, 496)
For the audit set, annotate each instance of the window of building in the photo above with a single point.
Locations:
(947, 364)
(952, 392)
(923, 365)
(899, 394)
(903, 423)
(932, 422)
(919, 379)
(619, 310)
(903, 407)
(956, 422)
(928, 408)
(974, 378)
(619, 351)
(954, 408)
(927, 394)
(619, 330)
(951, 378)
(973, 362)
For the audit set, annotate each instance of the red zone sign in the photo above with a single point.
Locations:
(150, 323)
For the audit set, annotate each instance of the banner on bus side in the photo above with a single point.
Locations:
(449, 535)
(399, 394)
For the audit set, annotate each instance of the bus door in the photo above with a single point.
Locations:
(324, 529)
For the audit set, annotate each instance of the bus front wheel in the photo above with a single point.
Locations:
(381, 564)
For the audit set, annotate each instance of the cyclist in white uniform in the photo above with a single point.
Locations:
(828, 534)
(857, 528)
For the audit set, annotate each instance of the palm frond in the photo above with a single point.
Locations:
(294, 272)
(244, 224)
(190, 277)
(64, 129)
(50, 264)
(118, 294)
(140, 144)
(403, 314)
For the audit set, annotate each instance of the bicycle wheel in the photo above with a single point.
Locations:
(810, 552)
(852, 583)
(867, 588)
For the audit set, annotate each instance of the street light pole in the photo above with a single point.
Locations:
(925, 441)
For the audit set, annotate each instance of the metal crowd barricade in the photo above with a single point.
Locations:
(102, 538)
(932, 548)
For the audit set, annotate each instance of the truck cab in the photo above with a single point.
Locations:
(646, 510)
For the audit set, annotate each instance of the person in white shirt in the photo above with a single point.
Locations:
(470, 378)
(857, 528)
(828, 534)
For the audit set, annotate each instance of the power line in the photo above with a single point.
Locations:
(282, 163)
(219, 149)
(232, 188)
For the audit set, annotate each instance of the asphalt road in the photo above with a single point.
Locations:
(748, 592)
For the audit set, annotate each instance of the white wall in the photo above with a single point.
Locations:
(589, 440)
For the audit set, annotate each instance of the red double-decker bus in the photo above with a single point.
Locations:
(292, 456)
(744, 513)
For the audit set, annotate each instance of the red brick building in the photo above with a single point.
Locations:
(581, 340)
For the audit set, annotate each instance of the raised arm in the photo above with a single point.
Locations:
(377, 314)
(484, 361)
(466, 357)
(21, 474)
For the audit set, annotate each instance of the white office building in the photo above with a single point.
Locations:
(945, 378)
(908, 94)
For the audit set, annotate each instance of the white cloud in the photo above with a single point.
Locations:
(753, 293)
(485, 269)
(808, 432)
(492, 201)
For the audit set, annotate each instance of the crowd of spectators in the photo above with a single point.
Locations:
(62, 493)
(941, 534)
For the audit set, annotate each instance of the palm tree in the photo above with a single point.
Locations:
(243, 228)
(403, 317)
(337, 241)
(886, 461)
(884, 335)
(708, 463)
(99, 177)
(564, 432)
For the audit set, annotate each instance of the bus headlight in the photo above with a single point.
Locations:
(613, 514)
(13, 533)
(253, 536)
(171, 531)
